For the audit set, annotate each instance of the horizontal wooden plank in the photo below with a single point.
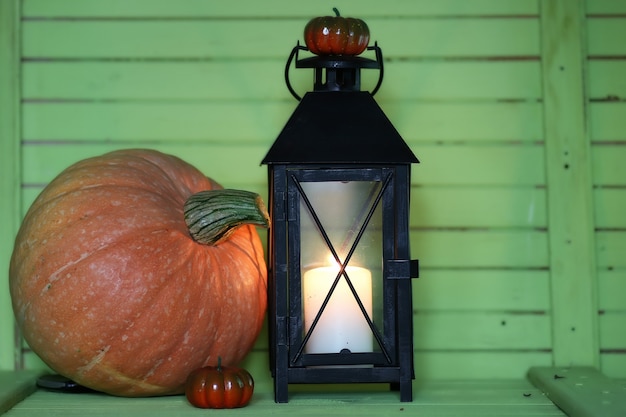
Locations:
(162, 39)
(482, 290)
(479, 249)
(153, 81)
(611, 290)
(611, 327)
(465, 120)
(506, 207)
(604, 36)
(457, 37)
(256, 121)
(605, 6)
(468, 331)
(221, 162)
(607, 121)
(477, 365)
(608, 164)
(204, 39)
(253, 8)
(610, 249)
(606, 82)
(489, 164)
(264, 79)
(440, 165)
(472, 331)
(206, 122)
(610, 207)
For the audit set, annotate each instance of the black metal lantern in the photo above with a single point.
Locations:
(340, 301)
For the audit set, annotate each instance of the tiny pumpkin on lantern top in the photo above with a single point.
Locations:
(336, 35)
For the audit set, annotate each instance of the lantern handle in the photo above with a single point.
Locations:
(294, 52)
(381, 68)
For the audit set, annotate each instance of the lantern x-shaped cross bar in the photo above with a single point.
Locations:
(342, 265)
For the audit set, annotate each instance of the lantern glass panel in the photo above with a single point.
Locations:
(341, 265)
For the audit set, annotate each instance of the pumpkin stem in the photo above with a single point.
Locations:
(213, 215)
(336, 11)
(219, 364)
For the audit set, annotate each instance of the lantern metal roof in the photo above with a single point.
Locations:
(333, 127)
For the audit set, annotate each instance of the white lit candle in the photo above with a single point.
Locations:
(342, 324)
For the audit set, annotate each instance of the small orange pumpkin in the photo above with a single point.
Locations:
(219, 387)
(111, 289)
(336, 35)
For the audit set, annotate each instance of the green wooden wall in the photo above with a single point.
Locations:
(515, 107)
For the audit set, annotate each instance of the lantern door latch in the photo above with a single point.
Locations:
(402, 268)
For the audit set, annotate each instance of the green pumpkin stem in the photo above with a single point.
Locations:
(213, 215)
(336, 11)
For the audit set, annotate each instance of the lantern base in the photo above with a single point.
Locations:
(396, 379)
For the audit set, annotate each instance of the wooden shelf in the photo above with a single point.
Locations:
(579, 391)
(444, 398)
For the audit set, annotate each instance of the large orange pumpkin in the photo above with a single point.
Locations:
(110, 289)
